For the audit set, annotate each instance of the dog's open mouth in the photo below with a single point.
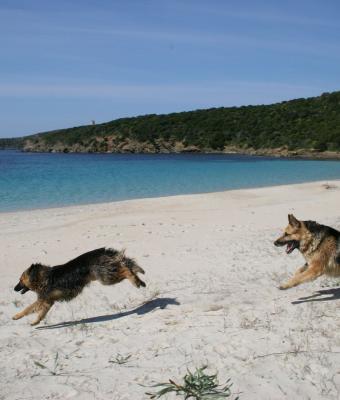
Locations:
(291, 246)
(21, 288)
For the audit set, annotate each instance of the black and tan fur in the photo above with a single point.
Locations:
(319, 245)
(64, 282)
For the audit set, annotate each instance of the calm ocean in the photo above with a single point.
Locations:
(31, 180)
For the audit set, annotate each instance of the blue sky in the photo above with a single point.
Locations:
(65, 63)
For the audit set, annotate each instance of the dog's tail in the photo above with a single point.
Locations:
(137, 269)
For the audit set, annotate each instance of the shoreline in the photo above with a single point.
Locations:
(270, 153)
(279, 153)
(325, 182)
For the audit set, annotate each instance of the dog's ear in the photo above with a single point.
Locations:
(33, 272)
(293, 221)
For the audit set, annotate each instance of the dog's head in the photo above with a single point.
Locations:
(29, 278)
(292, 235)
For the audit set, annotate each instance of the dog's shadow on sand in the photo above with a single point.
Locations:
(145, 308)
(320, 295)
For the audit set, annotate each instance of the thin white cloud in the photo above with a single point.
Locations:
(207, 94)
(254, 13)
(222, 40)
(51, 32)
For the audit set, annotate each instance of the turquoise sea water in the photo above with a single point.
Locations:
(34, 180)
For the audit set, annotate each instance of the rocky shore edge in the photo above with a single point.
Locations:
(119, 145)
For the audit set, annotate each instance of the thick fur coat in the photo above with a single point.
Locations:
(66, 281)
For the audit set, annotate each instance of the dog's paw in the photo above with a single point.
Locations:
(284, 287)
(16, 316)
(34, 323)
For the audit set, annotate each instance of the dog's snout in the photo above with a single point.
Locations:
(278, 243)
(21, 288)
(18, 287)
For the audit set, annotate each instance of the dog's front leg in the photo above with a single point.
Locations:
(295, 276)
(43, 308)
(28, 310)
(301, 269)
(309, 274)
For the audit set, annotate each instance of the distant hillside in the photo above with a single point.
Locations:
(291, 127)
(12, 143)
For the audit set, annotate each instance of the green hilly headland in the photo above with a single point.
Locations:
(300, 126)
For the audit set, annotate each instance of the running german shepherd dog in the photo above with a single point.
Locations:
(319, 245)
(64, 282)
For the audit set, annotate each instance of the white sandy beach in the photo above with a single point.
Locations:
(212, 274)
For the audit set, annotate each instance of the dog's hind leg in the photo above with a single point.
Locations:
(43, 308)
(28, 310)
(138, 282)
(133, 278)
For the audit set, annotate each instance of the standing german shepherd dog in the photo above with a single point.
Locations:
(319, 245)
(64, 282)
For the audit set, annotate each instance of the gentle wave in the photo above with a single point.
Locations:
(39, 180)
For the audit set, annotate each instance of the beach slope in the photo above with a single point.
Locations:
(212, 298)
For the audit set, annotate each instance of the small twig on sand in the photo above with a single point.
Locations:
(295, 352)
(280, 353)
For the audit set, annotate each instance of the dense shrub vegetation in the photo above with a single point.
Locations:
(312, 123)
(14, 143)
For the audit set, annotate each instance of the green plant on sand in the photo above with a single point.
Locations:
(197, 385)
